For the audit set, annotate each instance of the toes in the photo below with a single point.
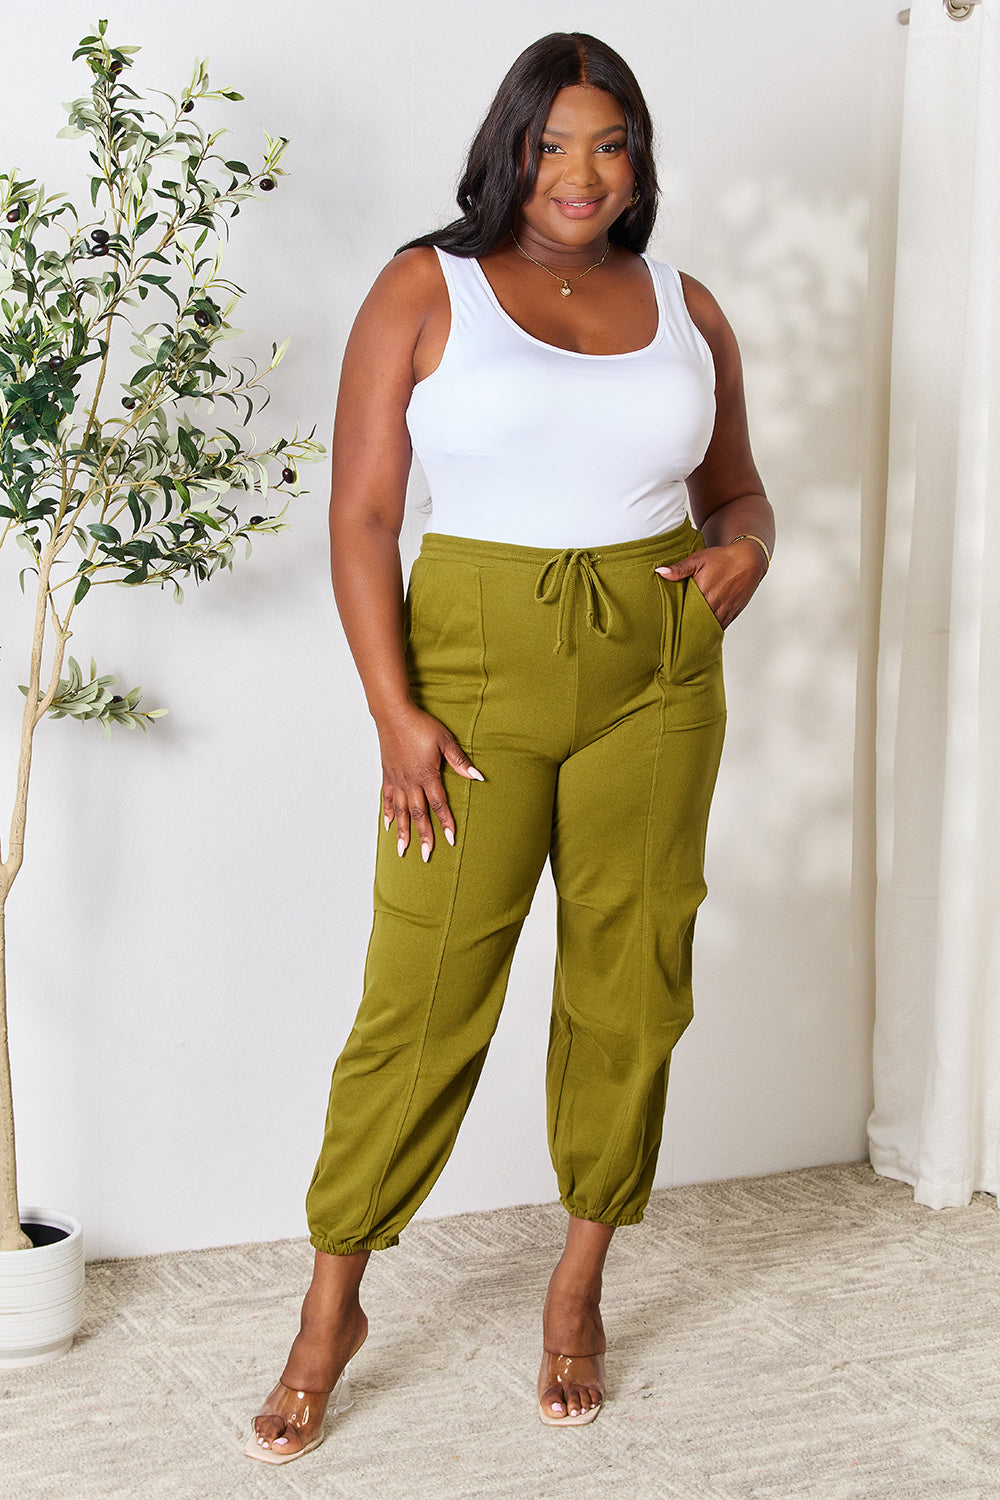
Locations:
(565, 1401)
(576, 1400)
(570, 1400)
(268, 1428)
(289, 1442)
(554, 1401)
(274, 1432)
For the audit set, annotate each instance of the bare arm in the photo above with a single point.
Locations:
(371, 461)
(727, 497)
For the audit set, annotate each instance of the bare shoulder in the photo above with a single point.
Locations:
(407, 305)
(408, 287)
(706, 314)
(712, 323)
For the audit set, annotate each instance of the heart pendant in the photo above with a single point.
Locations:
(565, 290)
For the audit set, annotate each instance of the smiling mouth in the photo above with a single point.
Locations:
(577, 202)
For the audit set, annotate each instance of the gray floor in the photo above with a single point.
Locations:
(813, 1333)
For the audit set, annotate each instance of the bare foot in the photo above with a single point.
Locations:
(571, 1379)
(292, 1415)
(333, 1327)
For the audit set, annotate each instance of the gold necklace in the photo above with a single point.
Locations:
(566, 289)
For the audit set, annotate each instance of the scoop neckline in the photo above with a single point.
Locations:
(580, 353)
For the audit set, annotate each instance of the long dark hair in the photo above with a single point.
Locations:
(492, 185)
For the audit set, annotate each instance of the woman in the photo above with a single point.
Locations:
(549, 688)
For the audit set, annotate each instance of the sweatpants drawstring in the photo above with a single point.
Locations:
(557, 580)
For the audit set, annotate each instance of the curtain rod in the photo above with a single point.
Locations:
(957, 11)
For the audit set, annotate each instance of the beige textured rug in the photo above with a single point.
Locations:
(813, 1333)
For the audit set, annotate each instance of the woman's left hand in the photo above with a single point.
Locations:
(726, 576)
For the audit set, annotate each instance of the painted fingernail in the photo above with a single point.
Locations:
(476, 775)
(449, 835)
(400, 847)
(388, 822)
(425, 852)
(663, 570)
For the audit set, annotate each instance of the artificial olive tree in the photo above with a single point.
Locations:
(114, 463)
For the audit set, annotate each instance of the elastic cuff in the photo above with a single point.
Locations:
(617, 1221)
(351, 1247)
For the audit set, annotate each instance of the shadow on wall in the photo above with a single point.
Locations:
(780, 1034)
(791, 269)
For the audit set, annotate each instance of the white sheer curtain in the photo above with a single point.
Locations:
(936, 1122)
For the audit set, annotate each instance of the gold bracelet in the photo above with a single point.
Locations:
(748, 536)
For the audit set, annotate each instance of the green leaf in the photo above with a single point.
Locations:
(146, 223)
(135, 510)
(105, 533)
(188, 449)
(82, 590)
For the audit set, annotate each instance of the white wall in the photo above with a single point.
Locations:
(187, 936)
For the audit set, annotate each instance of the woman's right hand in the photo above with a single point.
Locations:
(413, 745)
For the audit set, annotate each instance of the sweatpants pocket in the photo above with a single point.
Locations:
(700, 604)
(445, 645)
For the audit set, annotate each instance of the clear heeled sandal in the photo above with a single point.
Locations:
(305, 1412)
(581, 1370)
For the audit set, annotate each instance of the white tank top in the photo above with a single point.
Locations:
(527, 443)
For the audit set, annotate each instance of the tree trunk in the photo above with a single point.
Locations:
(12, 1237)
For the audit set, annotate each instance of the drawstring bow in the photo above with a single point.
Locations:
(557, 581)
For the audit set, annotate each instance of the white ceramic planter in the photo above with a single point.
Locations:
(41, 1292)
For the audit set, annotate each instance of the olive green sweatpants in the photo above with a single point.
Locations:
(588, 691)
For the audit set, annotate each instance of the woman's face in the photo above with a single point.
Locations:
(585, 178)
